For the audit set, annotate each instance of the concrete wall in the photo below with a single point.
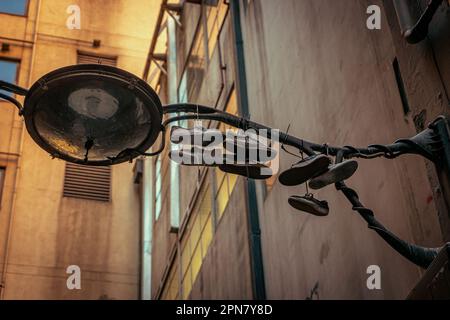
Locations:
(315, 65)
(426, 75)
(48, 232)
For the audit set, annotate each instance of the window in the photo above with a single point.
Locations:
(196, 64)
(215, 16)
(162, 183)
(18, 7)
(196, 239)
(8, 72)
(182, 89)
(183, 96)
(2, 181)
(83, 182)
(171, 289)
(225, 182)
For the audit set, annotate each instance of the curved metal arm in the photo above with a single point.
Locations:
(13, 101)
(426, 143)
(188, 107)
(418, 255)
(161, 147)
(10, 87)
(244, 124)
(134, 152)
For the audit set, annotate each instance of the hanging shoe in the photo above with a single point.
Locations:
(310, 204)
(305, 170)
(194, 156)
(251, 171)
(247, 146)
(196, 136)
(336, 173)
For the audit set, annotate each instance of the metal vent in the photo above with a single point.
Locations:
(92, 183)
(90, 58)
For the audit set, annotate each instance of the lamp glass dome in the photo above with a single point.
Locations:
(93, 114)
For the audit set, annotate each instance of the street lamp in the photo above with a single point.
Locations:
(92, 114)
(100, 115)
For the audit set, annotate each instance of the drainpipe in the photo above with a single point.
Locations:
(259, 288)
(146, 230)
(172, 83)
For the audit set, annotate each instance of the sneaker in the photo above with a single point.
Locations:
(251, 171)
(247, 146)
(202, 136)
(309, 204)
(194, 156)
(336, 173)
(305, 170)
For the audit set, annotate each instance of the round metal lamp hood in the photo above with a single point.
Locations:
(93, 114)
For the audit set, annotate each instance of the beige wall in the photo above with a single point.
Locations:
(49, 232)
(314, 65)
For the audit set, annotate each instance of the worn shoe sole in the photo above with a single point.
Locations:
(263, 153)
(317, 208)
(300, 174)
(339, 172)
(251, 172)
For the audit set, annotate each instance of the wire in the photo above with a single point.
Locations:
(374, 151)
(13, 101)
(289, 152)
(13, 88)
(132, 152)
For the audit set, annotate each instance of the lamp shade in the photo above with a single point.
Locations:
(93, 114)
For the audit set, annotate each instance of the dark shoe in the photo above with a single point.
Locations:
(248, 146)
(336, 173)
(196, 136)
(251, 172)
(309, 204)
(305, 170)
(195, 157)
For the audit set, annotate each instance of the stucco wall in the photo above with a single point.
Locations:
(315, 65)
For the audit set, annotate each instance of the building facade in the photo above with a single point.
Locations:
(316, 67)
(54, 215)
(312, 66)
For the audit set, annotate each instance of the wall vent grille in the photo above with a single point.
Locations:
(89, 58)
(83, 182)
